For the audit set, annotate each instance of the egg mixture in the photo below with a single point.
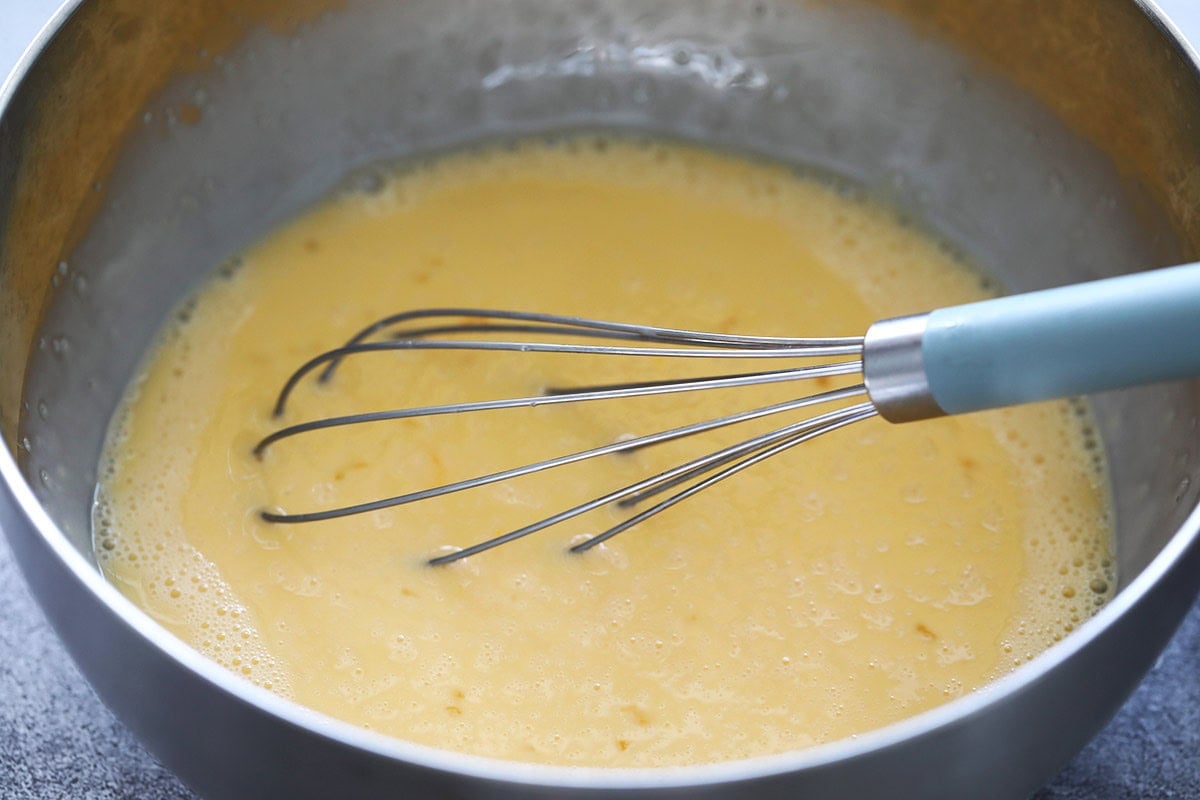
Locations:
(845, 584)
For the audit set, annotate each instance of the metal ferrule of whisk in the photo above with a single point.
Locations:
(1133, 329)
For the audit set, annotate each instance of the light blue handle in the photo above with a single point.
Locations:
(1089, 337)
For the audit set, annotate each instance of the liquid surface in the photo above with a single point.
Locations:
(840, 586)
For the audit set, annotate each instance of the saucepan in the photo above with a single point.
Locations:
(147, 141)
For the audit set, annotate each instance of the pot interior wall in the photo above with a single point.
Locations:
(227, 150)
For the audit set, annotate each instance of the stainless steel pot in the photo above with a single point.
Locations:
(148, 141)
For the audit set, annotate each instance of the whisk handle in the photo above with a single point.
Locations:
(1106, 334)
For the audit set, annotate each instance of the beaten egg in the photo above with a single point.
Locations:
(845, 584)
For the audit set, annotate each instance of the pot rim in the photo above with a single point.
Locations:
(567, 777)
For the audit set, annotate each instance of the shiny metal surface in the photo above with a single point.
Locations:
(1052, 142)
(894, 370)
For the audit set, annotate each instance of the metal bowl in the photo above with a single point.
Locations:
(147, 141)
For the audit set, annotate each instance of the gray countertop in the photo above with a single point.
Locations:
(58, 741)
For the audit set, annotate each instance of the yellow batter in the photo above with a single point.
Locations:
(841, 586)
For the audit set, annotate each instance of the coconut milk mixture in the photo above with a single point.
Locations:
(848, 583)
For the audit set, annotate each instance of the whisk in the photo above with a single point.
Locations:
(1072, 340)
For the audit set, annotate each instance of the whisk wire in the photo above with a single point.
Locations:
(545, 324)
(527, 469)
(559, 396)
(815, 427)
(837, 420)
(636, 340)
